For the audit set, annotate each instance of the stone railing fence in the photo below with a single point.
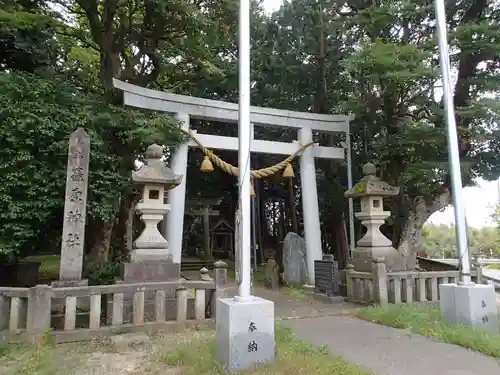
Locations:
(382, 287)
(26, 314)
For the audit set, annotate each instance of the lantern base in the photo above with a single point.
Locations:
(362, 258)
(141, 255)
(151, 270)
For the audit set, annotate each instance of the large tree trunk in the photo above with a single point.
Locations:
(99, 251)
(409, 237)
(124, 229)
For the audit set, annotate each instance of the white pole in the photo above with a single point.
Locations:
(352, 235)
(451, 127)
(244, 132)
(498, 189)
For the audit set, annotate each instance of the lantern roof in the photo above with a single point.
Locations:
(155, 170)
(371, 185)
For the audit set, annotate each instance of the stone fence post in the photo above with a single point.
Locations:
(204, 275)
(380, 284)
(220, 274)
(479, 269)
(39, 309)
(4, 313)
(349, 283)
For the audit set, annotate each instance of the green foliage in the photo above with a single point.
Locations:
(429, 322)
(36, 119)
(26, 36)
(440, 241)
(103, 273)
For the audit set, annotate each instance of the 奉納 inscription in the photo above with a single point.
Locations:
(252, 345)
(484, 319)
(252, 327)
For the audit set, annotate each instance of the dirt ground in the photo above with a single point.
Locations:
(127, 354)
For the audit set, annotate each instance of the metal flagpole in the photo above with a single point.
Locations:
(244, 138)
(454, 157)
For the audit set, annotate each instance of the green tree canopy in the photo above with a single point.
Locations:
(36, 118)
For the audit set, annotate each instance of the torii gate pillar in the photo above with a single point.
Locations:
(174, 225)
(310, 209)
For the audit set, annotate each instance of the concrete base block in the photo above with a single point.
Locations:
(244, 332)
(473, 304)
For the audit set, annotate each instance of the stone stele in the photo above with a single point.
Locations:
(294, 259)
(244, 332)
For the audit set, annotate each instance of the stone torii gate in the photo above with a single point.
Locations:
(186, 107)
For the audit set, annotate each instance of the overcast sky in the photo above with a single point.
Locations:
(271, 5)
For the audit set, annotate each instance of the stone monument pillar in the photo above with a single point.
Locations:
(150, 259)
(372, 190)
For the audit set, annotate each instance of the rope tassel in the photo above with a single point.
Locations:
(206, 165)
(288, 172)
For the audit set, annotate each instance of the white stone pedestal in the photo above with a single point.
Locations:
(245, 332)
(473, 304)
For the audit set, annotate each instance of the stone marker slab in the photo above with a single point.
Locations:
(244, 332)
(473, 304)
(75, 206)
(294, 259)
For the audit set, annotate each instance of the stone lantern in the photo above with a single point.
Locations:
(155, 178)
(372, 190)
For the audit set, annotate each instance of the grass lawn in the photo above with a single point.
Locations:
(429, 322)
(259, 278)
(494, 266)
(195, 355)
(187, 353)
